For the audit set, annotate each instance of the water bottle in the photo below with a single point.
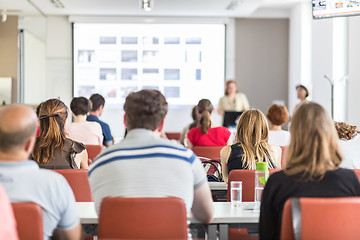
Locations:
(261, 176)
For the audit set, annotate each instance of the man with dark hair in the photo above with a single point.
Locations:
(98, 103)
(146, 165)
(24, 181)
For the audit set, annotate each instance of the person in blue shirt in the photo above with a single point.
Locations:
(98, 103)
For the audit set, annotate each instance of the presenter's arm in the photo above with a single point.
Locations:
(224, 157)
(202, 207)
(245, 102)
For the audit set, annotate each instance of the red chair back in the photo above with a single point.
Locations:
(93, 151)
(142, 218)
(357, 171)
(173, 135)
(29, 220)
(324, 218)
(212, 152)
(247, 177)
(79, 183)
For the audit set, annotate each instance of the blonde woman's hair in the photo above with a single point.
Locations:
(252, 133)
(346, 131)
(52, 116)
(313, 148)
(205, 108)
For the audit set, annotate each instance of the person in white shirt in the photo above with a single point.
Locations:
(86, 132)
(278, 115)
(349, 141)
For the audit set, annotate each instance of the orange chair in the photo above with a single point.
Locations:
(29, 220)
(173, 135)
(93, 151)
(247, 177)
(142, 218)
(212, 152)
(79, 183)
(322, 218)
(357, 171)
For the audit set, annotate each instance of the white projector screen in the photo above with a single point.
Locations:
(183, 61)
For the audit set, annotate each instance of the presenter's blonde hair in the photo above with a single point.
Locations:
(313, 148)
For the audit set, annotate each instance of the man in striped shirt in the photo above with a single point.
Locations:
(146, 165)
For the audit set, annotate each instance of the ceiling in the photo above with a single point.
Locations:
(206, 8)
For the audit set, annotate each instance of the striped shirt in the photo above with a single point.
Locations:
(145, 165)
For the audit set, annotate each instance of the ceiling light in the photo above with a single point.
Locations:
(4, 15)
(146, 5)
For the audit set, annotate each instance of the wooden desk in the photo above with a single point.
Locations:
(224, 215)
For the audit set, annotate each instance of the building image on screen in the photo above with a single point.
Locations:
(184, 61)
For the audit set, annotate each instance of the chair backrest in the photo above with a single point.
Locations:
(357, 171)
(324, 218)
(173, 135)
(247, 177)
(93, 151)
(283, 151)
(212, 152)
(29, 220)
(79, 183)
(142, 218)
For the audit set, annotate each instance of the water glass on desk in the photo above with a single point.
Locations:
(236, 193)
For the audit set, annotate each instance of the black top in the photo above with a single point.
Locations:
(235, 160)
(280, 187)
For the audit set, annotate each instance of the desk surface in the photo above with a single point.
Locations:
(224, 213)
(216, 186)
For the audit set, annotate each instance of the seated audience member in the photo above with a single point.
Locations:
(251, 145)
(207, 134)
(312, 168)
(37, 114)
(133, 172)
(23, 181)
(195, 117)
(88, 133)
(53, 149)
(98, 103)
(277, 116)
(7, 218)
(349, 143)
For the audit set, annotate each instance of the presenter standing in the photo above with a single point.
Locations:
(302, 94)
(233, 101)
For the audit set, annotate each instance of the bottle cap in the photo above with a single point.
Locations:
(261, 166)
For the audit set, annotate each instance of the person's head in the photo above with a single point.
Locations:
(346, 131)
(18, 124)
(38, 109)
(98, 102)
(145, 109)
(278, 114)
(53, 115)
(195, 117)
(231, 87)
(302, 92)
(253, 132)
(80, 106)
(205, 109)
(313, 148)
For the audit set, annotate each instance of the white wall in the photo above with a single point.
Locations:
(354, 71)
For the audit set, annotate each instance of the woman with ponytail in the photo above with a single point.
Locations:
(206, 134)
(53, 150)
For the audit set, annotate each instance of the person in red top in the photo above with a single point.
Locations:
(7, 219)
(206, 134)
